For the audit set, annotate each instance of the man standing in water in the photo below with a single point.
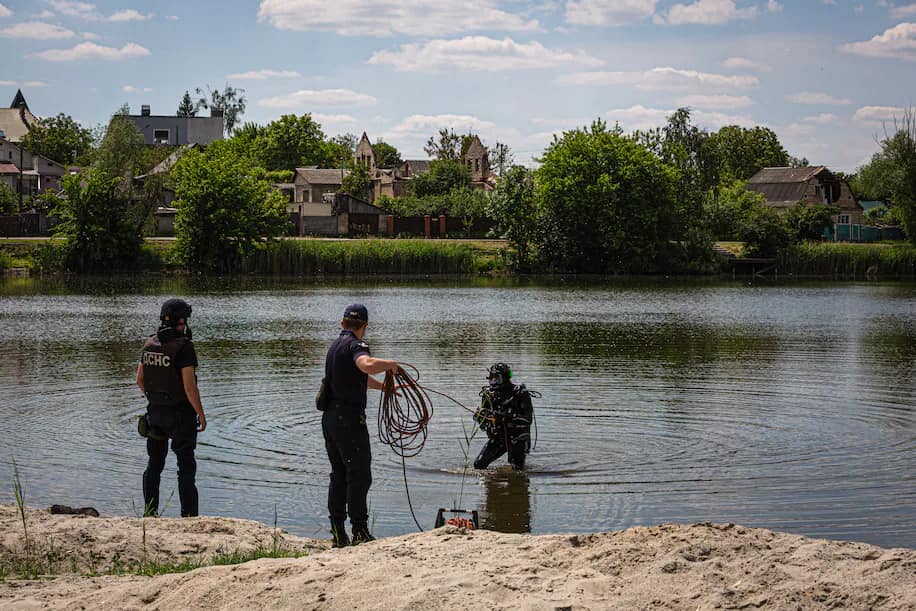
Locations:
(505, 415)
(166, 376)
(348, 371)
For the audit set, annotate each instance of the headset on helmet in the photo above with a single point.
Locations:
(174, 310)
(499, 374)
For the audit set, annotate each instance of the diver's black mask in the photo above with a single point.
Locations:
(166, 333)
(499, 375)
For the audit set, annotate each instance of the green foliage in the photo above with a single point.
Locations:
(230, 101)
(357, 183)
(513, 205)
(60, 139)
(608, 203)
(186, 108)
(386, 156)
(294, 141)
(743, 152)
(763, 231)
(443, 177)
(224, 212)
(723, 214)
(358, 257)
(838, 259)
(6, 261)
(9, 200)
(500, 157)
(95, 224)
(808, 222)
(447, 146)
(121, 150)
(895, 167)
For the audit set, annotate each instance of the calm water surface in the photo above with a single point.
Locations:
(788, 407)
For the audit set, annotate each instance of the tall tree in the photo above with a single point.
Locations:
(443, 177)
(745, 151)
(230, 102)
(386, 156)
(607, 202)
(121, 150)
(186, 108)
(294, 141)
(446, 146)
(59, 138)
(357, 183)
(500, 157)
(896, 162)
(225, 212)
(513, 206)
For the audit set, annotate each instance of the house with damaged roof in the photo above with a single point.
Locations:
(785, 188)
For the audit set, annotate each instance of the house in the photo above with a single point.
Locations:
(39, 173)
(16, 120)
(173, 130)
(784, 188)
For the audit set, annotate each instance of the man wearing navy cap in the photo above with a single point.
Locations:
(348, 371)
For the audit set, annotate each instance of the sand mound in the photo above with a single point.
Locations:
(673, 566)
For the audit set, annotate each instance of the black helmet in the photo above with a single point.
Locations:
(173, 310)
(499, 374)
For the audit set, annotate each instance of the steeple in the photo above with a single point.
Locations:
(19, 101)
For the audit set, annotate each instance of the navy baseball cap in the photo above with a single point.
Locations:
(356, 311)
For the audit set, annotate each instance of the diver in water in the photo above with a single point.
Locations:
(505, 415)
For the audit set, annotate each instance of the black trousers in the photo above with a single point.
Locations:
(178, 424)
(346, 440)
(496, 447)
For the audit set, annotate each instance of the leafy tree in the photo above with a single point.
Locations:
(763, 231)
(513, 205)
(59, 138)
(187, 108)
(386, 156)
(230, 101)
(294, 141)
(607, 202)
(357, 183)
(95, 225)
(9, 201)
(340, 149)
(723, 215)
(745, 151)
(466, 203)
(447, 146)
(500, 157)
(443, 177)
(898, 155)
(808, 222)
(224, 212)
(121, 151)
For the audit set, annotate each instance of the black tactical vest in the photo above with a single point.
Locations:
(162, 382)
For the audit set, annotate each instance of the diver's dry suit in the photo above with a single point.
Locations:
(505, 414)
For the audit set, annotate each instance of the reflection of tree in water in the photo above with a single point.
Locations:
(507, 507)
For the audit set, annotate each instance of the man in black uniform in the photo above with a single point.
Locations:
(348, 371)
(505, 414)
(166, 376)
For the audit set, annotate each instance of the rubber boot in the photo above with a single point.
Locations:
(361, 534)
(339, 534)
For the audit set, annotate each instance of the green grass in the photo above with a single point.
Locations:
(362, 257)
(850, 260)
(151, 568)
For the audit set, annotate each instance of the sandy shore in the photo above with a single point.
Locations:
(671, 566)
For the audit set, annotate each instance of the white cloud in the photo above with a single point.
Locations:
(333, 119)
(172, 17)
(90, 50)
(609, 12)
(743, 63)
(708, 12)
(898, 42)
(662, 79)
(7, 83)
(714, 101)
(32, 84)
(822, 119)
(877, 114)
(388, 17)
(70, 8)
(130, 15)
(5, 12)
(132, 89)
(478, 53)
(902, 12)
(90, 35)
(816, 98)
(260, 75)
(773, 6)
(45, 14)
(411, 133)
(36, 30)
(306, 98)
(641, 117)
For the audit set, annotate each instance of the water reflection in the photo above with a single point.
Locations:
(507, 501)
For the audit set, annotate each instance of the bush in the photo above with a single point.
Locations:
(829, 259)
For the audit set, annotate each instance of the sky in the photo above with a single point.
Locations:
(826, 75)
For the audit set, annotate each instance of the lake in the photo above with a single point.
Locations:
(788, 406)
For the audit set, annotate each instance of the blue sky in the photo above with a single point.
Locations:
(823, 74)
